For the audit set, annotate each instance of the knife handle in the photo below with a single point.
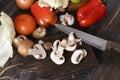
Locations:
(113, 46)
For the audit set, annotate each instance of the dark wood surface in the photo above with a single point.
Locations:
(108, 28)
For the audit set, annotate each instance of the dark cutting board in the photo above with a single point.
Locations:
(47, 69)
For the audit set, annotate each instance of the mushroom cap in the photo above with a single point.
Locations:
(56, 59)
(40, 32)
(24, 47)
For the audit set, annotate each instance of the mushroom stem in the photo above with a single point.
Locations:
(38, 51)
(69, 44)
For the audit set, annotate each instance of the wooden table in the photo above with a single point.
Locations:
(108, 28)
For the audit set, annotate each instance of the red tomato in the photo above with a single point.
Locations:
(24, 4)
(25, 24)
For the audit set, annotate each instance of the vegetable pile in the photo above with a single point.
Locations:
(43, 14)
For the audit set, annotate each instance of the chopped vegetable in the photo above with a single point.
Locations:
(7, 34)
(45, 16)
(69, 44)
(91, 13)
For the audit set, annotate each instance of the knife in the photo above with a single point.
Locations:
(92, 40)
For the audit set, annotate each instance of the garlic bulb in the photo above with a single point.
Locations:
(7, 34)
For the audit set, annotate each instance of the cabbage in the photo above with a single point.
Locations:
(54, 3)
(7, 34)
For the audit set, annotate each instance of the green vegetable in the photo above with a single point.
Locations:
(75, 1)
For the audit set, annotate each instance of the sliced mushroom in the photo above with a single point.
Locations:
(57, 59)
(72, 39)
(68, 44)
(57, 53)
(71, 48)
(72, 42)
(38, 52)
(64, 42)
(55, 45)
(60, 51)
(40, 32)
(78, 55)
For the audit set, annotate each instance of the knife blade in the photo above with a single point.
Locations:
(92, 40)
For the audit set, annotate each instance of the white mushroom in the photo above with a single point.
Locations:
(68, 44)
(58, 60)
(72, 39)
(67, 19)
(57, 53)
(63, 43)
(57, 56)
(71, 48)
(40, 32)
(78, 55)
(55, 45)
(60, 51)
(72, 42)
(38, 52)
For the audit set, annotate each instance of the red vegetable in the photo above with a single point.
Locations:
(25, 24)
(91, 13)
(45, 16)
